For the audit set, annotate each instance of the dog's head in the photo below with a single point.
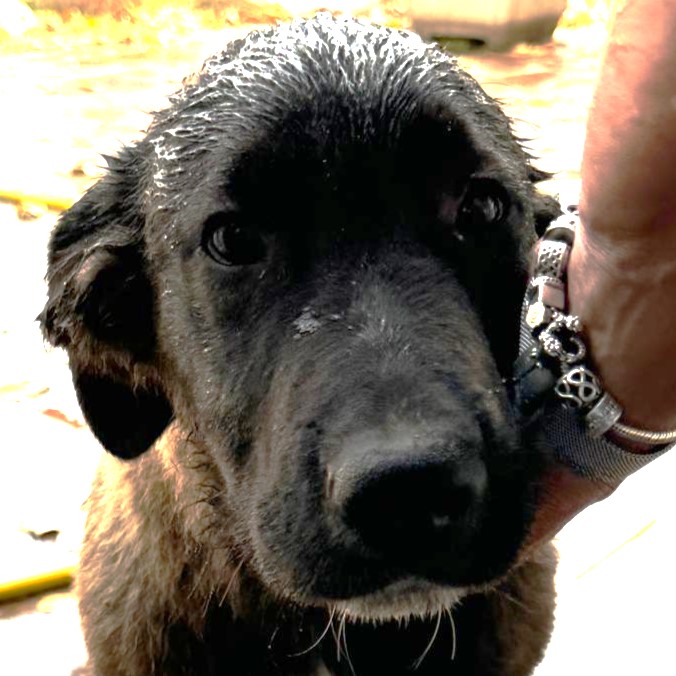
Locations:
(314, 261)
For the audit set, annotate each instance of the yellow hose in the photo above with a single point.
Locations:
(50, 201)
(36, 584)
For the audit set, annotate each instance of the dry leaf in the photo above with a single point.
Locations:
(59, 415)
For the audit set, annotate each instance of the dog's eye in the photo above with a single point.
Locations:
(229, 242)
(485, 203)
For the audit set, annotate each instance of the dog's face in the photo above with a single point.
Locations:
(314, 261)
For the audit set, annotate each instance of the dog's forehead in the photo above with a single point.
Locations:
(258, 80)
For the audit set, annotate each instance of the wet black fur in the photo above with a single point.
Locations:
(348, 150)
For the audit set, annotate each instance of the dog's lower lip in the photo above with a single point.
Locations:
(409, 583)
(405, 598)
(439, 578)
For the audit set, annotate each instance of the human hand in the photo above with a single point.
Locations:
(622, 272)
(627, 310)
(622, 269)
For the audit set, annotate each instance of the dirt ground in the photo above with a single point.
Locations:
(65, 101)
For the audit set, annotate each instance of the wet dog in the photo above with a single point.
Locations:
(290, 311)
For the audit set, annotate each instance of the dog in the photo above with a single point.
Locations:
(291, 313)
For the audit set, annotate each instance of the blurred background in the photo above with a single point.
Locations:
(79, 78)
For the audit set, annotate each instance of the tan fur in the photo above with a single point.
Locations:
(143, 532)
(524, 610)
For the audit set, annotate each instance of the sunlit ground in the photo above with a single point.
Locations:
(72, 88)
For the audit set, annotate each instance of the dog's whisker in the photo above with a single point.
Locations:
(329, 624)
(205, 609)
(272, 637)
(343, 630)
(510, 598)
(454, 635)
(228, 587)
(336, 638)
(428, 647)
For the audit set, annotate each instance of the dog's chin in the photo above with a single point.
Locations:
(399, 601)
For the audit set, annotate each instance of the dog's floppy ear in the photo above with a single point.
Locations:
(100, 309)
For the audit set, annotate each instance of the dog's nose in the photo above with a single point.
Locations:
(413, 508)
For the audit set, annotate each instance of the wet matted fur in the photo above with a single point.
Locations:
(290, 311)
